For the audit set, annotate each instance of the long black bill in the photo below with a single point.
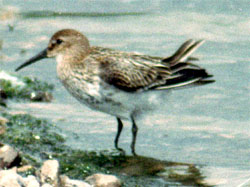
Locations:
(39, 56)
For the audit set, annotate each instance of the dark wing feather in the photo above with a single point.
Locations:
(132, 72)
(184, 52)
(130, 76)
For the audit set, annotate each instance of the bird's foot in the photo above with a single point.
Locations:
(134, 153)
(121, 151)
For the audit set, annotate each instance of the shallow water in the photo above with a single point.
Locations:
(207, 126)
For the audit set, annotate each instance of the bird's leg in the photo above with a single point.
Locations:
(119, 130)
(134, 133)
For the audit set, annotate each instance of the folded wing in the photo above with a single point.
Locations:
(132, 72)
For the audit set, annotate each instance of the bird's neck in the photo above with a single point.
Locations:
(66, 64)
(72, 57)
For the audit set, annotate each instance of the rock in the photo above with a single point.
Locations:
(41, 96)
(9, 178)
(2, 129)
(103, 180)
(49, 173)
(8, 157)
(31, 181)
(67, 182)
(24, 168)
(3, 121)
(47, 185)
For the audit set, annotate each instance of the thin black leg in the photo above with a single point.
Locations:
(119, 130)
(134, 133)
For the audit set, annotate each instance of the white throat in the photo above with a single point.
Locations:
(59, 58)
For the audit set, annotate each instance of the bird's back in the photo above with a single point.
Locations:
(132, 72)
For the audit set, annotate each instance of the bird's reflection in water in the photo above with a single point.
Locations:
(183, 174)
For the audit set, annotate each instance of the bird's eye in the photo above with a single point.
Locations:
(59, 41)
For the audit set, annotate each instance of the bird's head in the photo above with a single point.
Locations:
(66, 43)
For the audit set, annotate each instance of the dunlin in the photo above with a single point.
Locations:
(121, 84)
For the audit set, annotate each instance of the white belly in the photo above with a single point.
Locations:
(98, 95)
(105, 98)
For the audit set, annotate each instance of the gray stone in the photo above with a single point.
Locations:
(47, 185)
(9, 178)
(103, 180)
(2, 127)
(3, 121)
(49, 173)
(31, 181)
(23, 169)
(41, 96)
(8, 157)
(67, 182)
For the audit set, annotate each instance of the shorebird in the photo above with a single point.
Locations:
(122, 84)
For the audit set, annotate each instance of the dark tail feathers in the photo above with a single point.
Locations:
(183, 72)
